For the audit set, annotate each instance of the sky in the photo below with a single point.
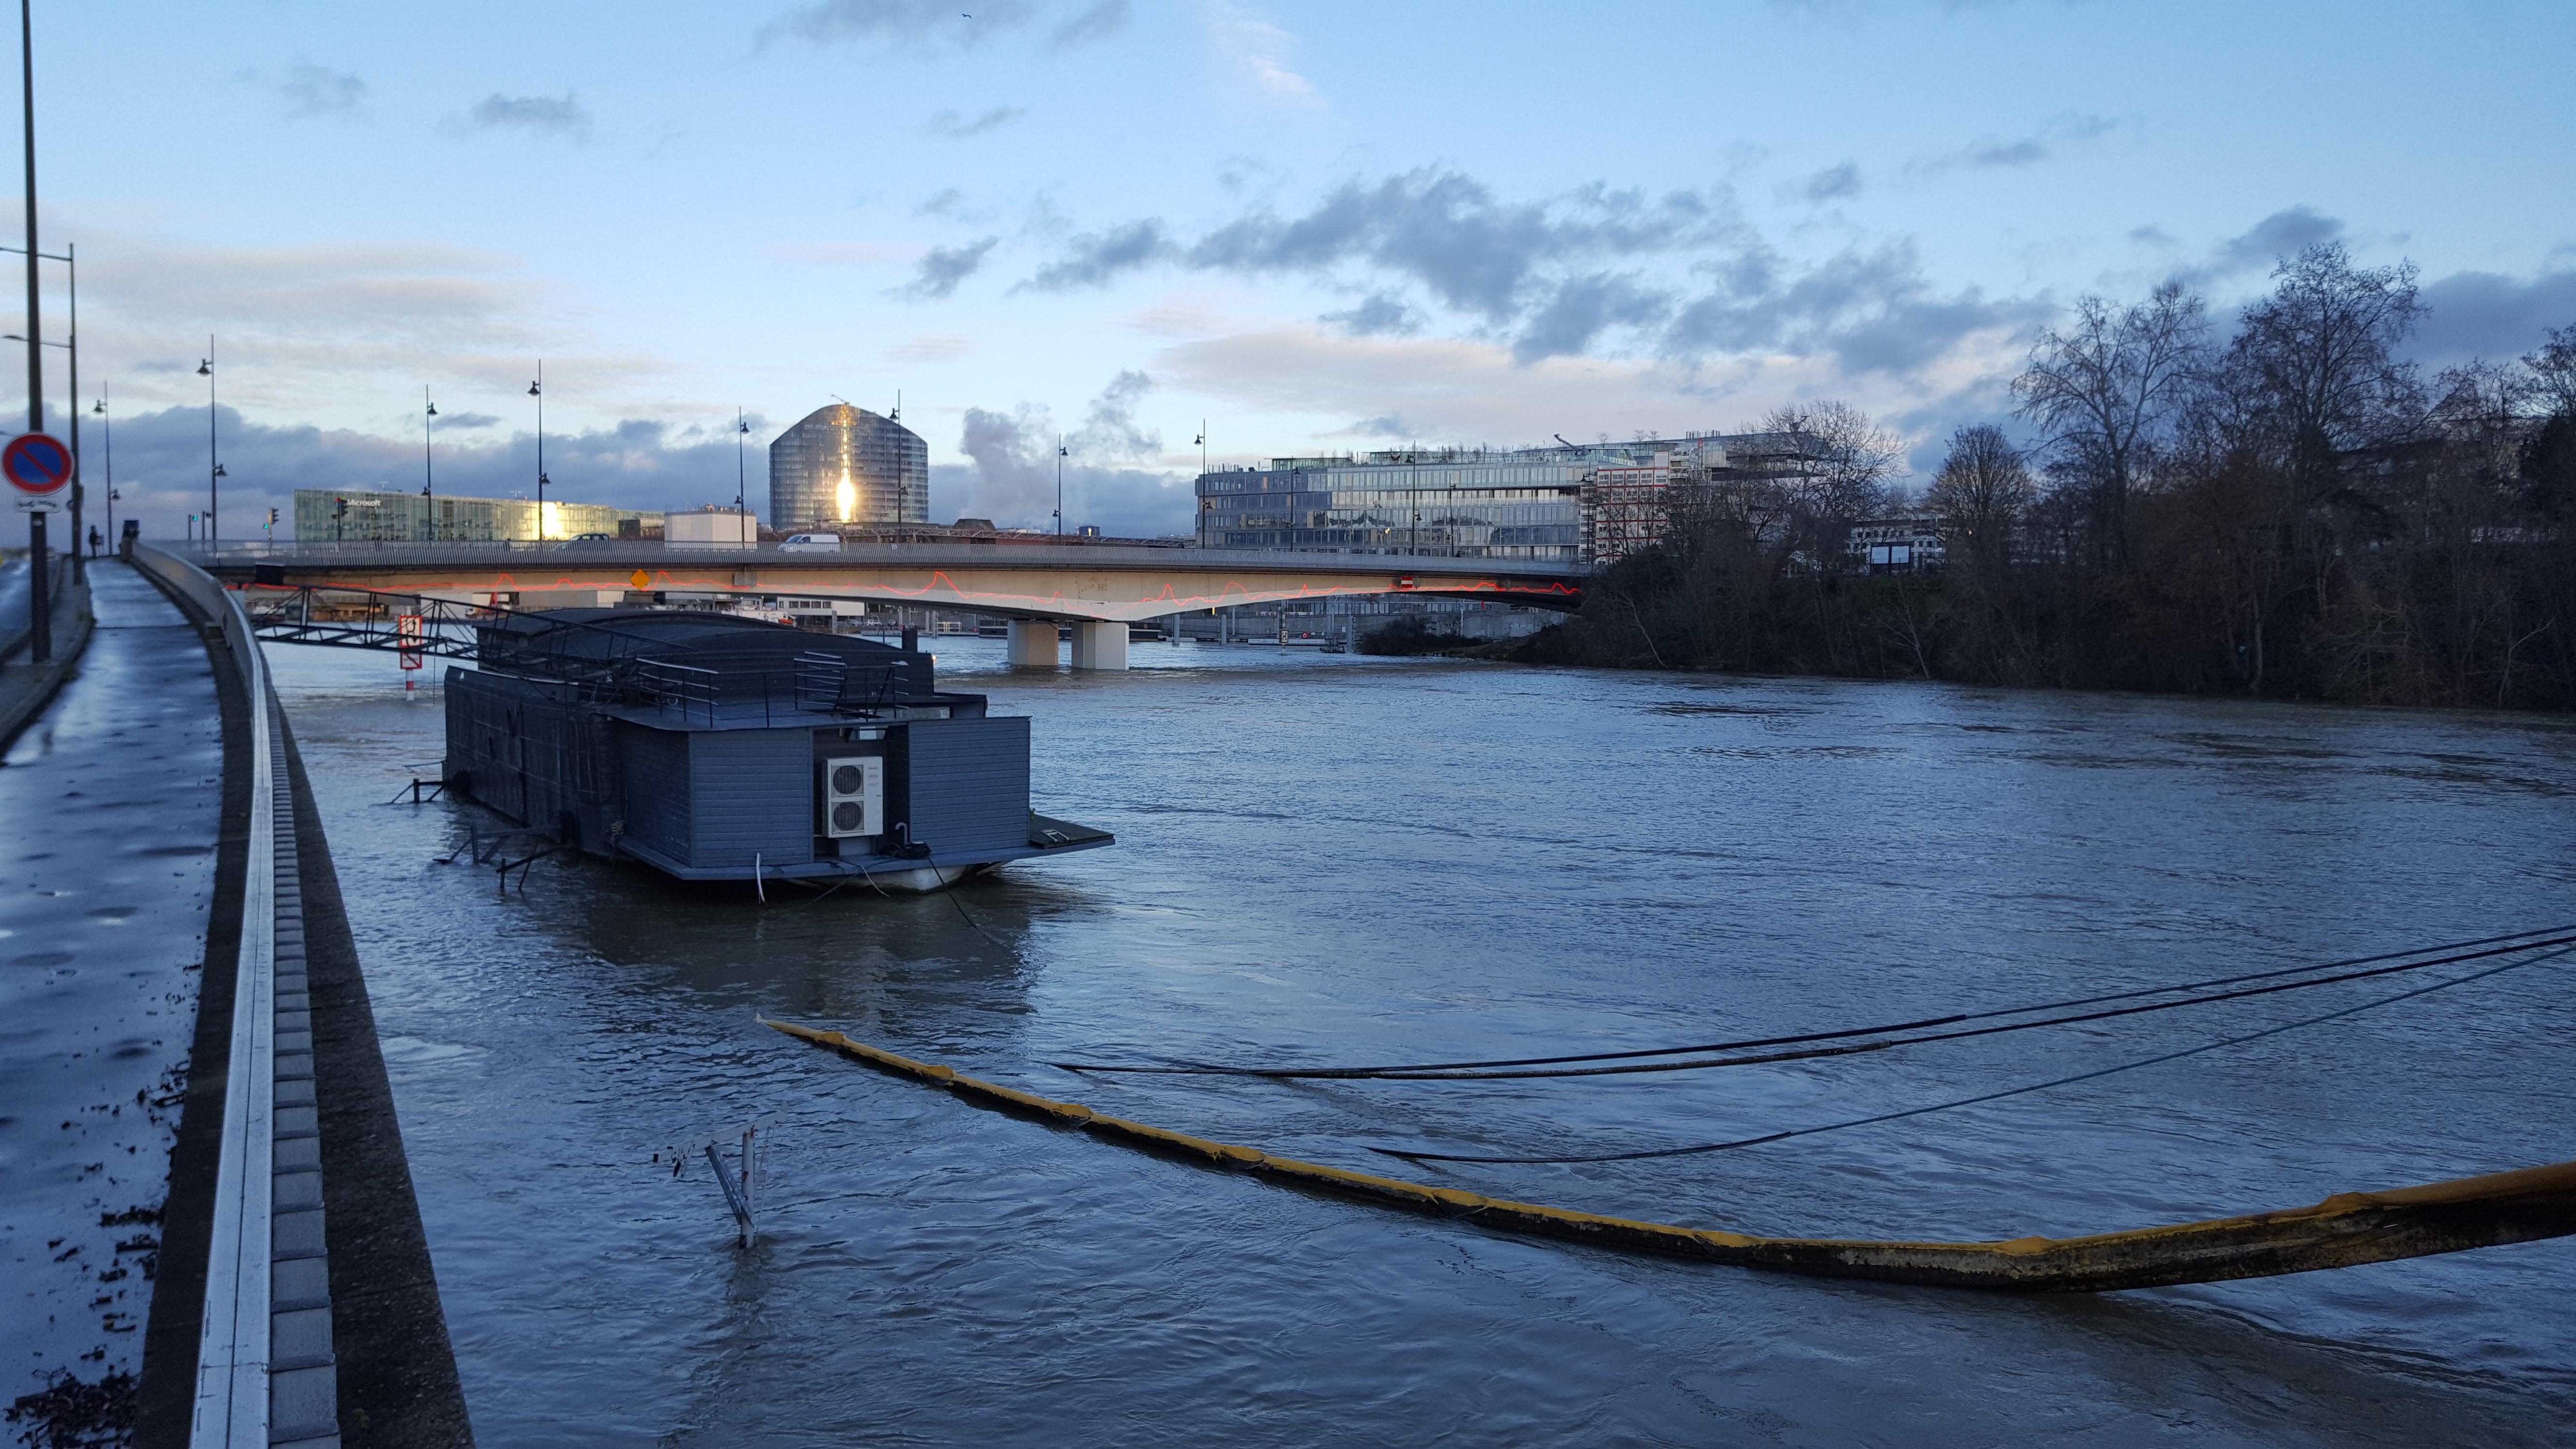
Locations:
(1306, 228)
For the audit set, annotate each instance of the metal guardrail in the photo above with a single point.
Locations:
(265, 1369)
(622, 554)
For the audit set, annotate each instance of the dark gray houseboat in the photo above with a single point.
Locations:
(714, 747)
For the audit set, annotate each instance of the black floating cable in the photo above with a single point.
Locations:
(1985, 1096)
(1694, 1064)
(1201, 1069)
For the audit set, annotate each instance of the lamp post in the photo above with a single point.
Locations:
(537, 390)
(428, 476)
(107, 440)
(214, 466)
(39, 601)
(740, 476)
(1059, 487)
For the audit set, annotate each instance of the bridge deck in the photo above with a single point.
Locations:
(1030, 581)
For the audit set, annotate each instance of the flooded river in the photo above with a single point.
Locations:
(1349, 859)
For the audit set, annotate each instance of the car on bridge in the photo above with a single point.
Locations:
(811, 543)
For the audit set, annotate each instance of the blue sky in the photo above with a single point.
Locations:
(1316, 227)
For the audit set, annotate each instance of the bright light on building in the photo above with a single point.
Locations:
(846, 465)
(553, 524)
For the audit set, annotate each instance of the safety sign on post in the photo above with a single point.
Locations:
(39, 469)
(408, 633)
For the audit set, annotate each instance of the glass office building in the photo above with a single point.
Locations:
(388, 516)
(1528, 503)
(847, 465)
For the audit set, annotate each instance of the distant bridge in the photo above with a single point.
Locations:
(1100, 589)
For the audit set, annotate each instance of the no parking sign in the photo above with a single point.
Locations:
(39, 467)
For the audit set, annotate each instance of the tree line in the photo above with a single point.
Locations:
(2290, 511)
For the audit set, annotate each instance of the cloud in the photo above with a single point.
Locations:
(1873, 311)
(537, 115)
(1833, 183)
(941, 202)
(1582, 309)
(311, 90)
(954, 127)
(2262, 245)
(1099, 258)
(469, 420)
(1013, 476)
(1109, 429)
(1262, 52)
(1465, 391)
(944, 267)
(2482, 314)
(1379, 316)
(1531, 270)
(907, 24)
(1448, 232)
(1099, 22)
(1991, 153)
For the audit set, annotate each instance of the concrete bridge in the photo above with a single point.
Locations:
(1098, 589)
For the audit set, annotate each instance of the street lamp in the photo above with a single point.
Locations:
(107, 437)
(740, 477)
(428, 479)
(537, 390)
(1059, 487)
(214, 468)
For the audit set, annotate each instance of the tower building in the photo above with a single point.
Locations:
(846, 465)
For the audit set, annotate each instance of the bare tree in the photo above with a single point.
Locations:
(1981, 492)
(2104, 392)
(1850, 457)
(2553, 370)
(2317, 361)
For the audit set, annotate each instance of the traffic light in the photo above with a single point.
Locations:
(272, 523)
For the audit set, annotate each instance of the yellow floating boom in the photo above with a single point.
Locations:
(2344, 1230)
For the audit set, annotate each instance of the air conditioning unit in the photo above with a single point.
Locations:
(854, 796)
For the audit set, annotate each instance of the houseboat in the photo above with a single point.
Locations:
(713, 747)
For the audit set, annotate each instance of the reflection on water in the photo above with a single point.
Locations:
(1349, 859)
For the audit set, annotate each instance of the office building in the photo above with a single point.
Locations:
(847, 465)
(1570, 503)
(383, 516)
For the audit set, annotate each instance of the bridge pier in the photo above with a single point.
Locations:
(1033, 644)
(1100, 645)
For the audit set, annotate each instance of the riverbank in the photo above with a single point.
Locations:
(1653, 613)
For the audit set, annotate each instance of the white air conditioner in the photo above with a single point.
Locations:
(854, 796)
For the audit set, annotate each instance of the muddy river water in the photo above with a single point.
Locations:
(1353, 859)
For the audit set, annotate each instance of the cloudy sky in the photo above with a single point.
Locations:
(1315, 227)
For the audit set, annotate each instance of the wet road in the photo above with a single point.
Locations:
(1359, 859)
(110, 802)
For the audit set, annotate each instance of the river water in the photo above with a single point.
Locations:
(1354, 859)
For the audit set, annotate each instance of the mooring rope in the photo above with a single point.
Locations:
(1642, 1153)
(1475, 1070)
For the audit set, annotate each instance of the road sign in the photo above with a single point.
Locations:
(37, 465)
(639, 579)
(408, 633)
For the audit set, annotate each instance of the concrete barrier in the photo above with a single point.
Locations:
(265, 1370)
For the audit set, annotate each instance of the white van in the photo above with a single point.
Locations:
(811, 543)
